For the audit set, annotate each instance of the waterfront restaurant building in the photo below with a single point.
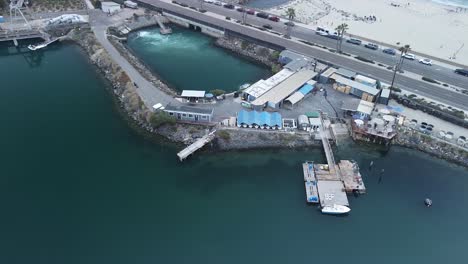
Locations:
(190, 114)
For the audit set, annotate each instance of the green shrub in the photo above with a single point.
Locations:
(275, 55)
(364, 59)
(395, 89)
(275, 68)
(429, 80)
(160, 118)
(224, 135)
(217, 92)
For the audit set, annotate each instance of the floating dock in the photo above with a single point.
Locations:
(183, 154)
(329, 183)
(310, 182)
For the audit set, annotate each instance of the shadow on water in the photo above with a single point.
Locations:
(33, 58)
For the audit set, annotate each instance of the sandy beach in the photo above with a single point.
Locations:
(431, 28)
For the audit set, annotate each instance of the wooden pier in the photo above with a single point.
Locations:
(183, 154)
(332, 181)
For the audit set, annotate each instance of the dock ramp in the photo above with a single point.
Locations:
(183, 154)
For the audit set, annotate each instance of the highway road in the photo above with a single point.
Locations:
(422, 88)
(437, 72)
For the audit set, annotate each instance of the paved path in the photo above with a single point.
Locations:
(147, 91)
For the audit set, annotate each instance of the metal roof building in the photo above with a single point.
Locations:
(262, 86)
(355, 86)
(346, 73)
(261, 119)
(193, 93)
(277, 94)
(192, 114)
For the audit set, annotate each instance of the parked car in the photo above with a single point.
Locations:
(240, 9)
(209, 1)
(229, 6)
(409, 56)
(250, 11)
(289, 23)
(218, 3)
(372, 46)
(263, 15)
(267, 26)
(463, 72)
(333, 35)
(354, 41)
(426, 62)
(192, 7)
(184, 5)
(228, 18)
(389, 51)
(321, 31)
(274, 18)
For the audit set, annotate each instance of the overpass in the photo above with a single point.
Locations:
(219, 22)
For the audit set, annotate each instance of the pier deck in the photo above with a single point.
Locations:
(351, 177)
(183, 154)
(332, 192)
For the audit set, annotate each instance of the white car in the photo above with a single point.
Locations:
(426, 62)
(209, 1)
(409, 56)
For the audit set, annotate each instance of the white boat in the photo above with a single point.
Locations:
(36, 47)
(335, 209)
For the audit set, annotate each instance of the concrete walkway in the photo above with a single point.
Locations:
(150, 94)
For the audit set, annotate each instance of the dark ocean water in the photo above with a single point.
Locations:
(77, 185)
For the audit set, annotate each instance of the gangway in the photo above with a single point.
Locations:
(183, 154)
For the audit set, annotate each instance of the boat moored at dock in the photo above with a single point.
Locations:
(335, 209)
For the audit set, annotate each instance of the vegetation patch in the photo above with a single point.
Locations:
(217, 92)
(427, 79)
(364, 59)
(223, 134)
(160, 118)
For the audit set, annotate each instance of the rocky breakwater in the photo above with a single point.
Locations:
(238, 138)
(125, 92)
(411, 138)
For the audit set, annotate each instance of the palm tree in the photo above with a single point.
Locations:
(291, 14)
(403, 49)
(340, 29)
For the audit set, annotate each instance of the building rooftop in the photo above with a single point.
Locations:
(357, 85)
(291, 54)
(259, 118)
(193, 93)
(285, 88)
(365, 107)
(298, 64)
(189, 109)
(262, 86)
(346, 73)
(385, 93)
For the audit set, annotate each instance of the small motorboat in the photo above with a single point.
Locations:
(335, 209)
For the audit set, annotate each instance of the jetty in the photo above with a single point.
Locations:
(189, 150)
(328, 184)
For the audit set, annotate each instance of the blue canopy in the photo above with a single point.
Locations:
(306, 88)
(259, 118)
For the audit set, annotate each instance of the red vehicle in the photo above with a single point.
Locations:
(250, 11)
(274, 18)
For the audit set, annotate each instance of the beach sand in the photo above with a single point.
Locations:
(430, 28)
